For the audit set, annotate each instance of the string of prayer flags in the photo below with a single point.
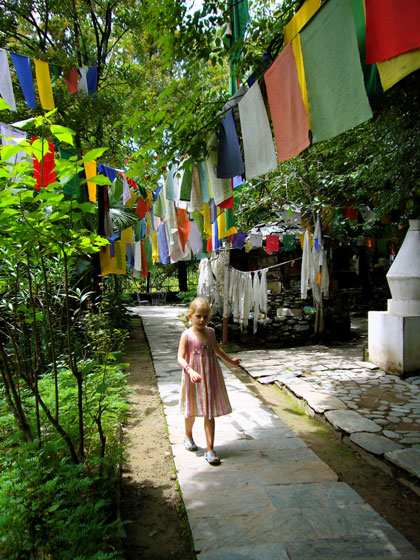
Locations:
(260, 155)
(24, 73)
(300, 19)
(288, 113)
(43, 80)
(44, 166)
(392, 28)
(336, 92)
(272, 243)
(229, 163)
(6, 88)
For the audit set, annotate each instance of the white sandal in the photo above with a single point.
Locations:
(212, 458)
(189, 444)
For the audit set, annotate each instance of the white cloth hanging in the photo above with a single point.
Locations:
(306, 270)
(6, 88)
(137, 256)
(256, 294)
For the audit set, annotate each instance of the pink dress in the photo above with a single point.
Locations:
(208, 398)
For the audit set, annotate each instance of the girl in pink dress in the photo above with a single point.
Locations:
(203, 390)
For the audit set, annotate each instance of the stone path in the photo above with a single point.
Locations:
(378, 411)
(272, 497)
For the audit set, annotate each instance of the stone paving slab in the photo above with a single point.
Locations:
(350, 421)
(408, 459)
(377, 445)
(272, 497)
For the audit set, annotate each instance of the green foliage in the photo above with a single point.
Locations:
(187, 297)
(51, 508)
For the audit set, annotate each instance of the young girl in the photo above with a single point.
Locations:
(203, 390)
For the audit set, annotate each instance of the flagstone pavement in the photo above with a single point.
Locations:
(272, 497)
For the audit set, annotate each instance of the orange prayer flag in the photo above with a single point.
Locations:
(184, 226)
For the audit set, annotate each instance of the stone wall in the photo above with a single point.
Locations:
(291, 322)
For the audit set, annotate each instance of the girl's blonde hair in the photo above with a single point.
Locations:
(199, 303)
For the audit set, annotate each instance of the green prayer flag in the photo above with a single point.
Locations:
(56, 73)
(186, 184)
(239, 17)
(148, 250)
(204, 181)
(159, 208)
(71, 187)
(229, 218)
(372, 81)
(334, 77)
(289, 242)
(198, 219)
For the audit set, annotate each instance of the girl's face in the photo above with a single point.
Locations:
(200, 318)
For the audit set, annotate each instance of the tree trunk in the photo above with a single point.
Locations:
(182, 276)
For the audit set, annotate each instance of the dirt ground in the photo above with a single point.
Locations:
(150, 500)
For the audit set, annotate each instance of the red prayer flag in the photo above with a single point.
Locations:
(44, 168)
(228, 203)
(141, 208)
(209, 245)
(392, 28)
(272, 244)
(72, 80)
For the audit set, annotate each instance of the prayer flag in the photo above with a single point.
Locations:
(184, 226)
(72, 80)
(109, 172)
(395, 69)
(337, 96)
(172, 183)
(141, 208)
(297, 51)
(109, 265)
(392, 28)
(186, 183)
(90, 171)
(260, 155)
(207, 220)
(255, 239)
(239, 17)
(163, 244)
(229, 163)
(195, 239)
(288, 113)
(44, 168)
(43, 80)
(272, 243)
(6, 88)
(13, 137)
(155, 249)
(82, 85)
(204, 181)
(144, 267)
(238, 240)
(127, 235)
(300, 19)
(370, 71)
(71, 187)
(221, 188)
(92, 79)
(24, 73)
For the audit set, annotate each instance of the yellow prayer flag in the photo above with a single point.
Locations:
(130, 202)
(127, 235)
(221, 227)
(42, 72)
(395, 69)
(297, 51)
(149, 219)
(108, 264)
(300, 19)
(155, 248)
(90, 171)
(206, 221)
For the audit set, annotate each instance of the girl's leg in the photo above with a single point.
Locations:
(209, 427)
(189, 423)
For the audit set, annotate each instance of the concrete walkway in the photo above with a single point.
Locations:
(272, 497)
